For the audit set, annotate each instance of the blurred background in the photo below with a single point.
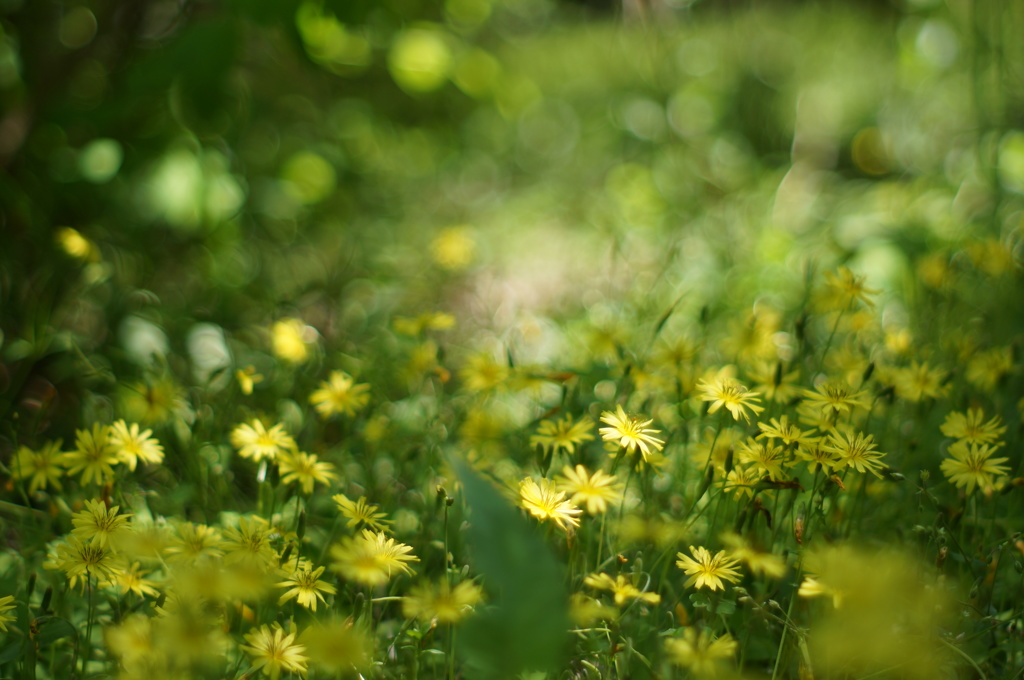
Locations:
(168, 165)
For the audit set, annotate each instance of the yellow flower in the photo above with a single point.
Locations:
(971, 465)
(728, 392)
(816, 453)
(247, 379)
(306, 587)
(453, 248)
(195, 542)
(254, 440)
(94, 456)
(80, 560)
(757, 561)
(154, 402)
(360, 513)
(130, 579)
(741, 481)
(563, 434)
(764, 456)
(305, 469)
(856, 450)
(773, 382)
(249, 545)
(98, 524)
(132, 445)
(337, 646)
(621, 587)
(844, 288)
(786, 431)
(340, 395)
(6, 604)
(482, 373)
(290, 339)
(631, 432)
(544, 502)
(273, 651)
(985, 369)
(371, 558)
(707, 570)
(971, 428)
(42, 468)
(834, 397)
(444, 603)
(700, 653)
(596, 490)
(920, 381)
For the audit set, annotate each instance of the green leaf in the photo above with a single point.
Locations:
(524, 626)
(10, 652)
(54, 628)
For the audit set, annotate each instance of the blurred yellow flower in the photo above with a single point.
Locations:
(7, 603)
(843, 288)
(336, 645)
(442, 602)
(254, 440)
(247, 379)
(371, 558)
(249, 545)
(290, 340)
(453, 248)
(563, 434)
(622, 588)
(42, 468)
(360, 513)
(700, 653)
(193, 543)
(596, 490)
(340, 395)
(304, 469)
(972, 428)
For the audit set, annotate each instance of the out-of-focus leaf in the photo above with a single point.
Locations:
(525, 626)
(53, 629)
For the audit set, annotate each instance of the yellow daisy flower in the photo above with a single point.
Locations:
(707, 570)
(132, 445)
(274, 651)
(441, 602)
(254, 440)
(563, 434)
(305, 587)
(699, 652)
(972, 465)
(43, 468)
(621, 588)
(544, 502)
(596, 490)
(631, 433)
(728, 392)
(304, 469)
(972, 428)
(371, 558)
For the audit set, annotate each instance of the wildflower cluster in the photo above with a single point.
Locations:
(487, 380)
